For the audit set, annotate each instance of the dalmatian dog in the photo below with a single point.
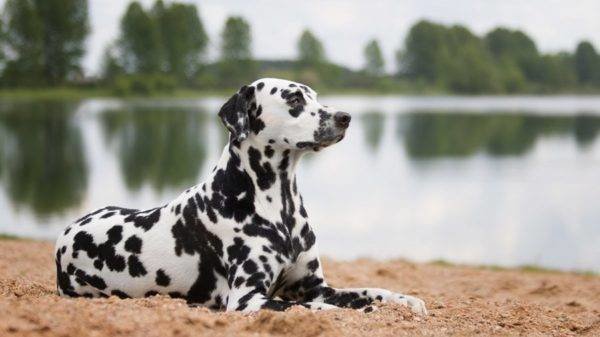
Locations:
(239, 241)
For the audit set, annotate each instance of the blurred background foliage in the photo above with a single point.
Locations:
(164, 48)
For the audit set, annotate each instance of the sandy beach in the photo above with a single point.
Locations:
(461, 300)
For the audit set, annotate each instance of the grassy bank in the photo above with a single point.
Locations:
(69, 93)
(81, 93)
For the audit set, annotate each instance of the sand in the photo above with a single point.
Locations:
(461, 300)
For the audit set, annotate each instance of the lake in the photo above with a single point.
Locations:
(503, 181)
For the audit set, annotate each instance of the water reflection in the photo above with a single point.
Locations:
(372, 124)
(429, 135)
(586, 129)
(43, 164)
(164, 147)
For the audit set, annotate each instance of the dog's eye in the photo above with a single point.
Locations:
(296, 100)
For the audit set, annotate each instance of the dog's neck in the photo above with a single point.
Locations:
(258, 159)
(271, 169)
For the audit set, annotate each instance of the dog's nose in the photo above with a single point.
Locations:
(342, 119)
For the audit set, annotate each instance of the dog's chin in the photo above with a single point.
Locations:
(323, 143)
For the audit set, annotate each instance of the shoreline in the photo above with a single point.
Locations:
(461, 300)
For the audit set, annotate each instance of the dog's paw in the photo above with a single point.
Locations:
(415, 304)
(369, 308)
(319, 306)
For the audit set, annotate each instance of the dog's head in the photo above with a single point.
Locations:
(285, 113)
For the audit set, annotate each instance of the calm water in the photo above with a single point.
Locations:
(487, 180)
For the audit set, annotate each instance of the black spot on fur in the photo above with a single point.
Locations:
(238, 252)
(256, 125)
(313, 265)
(115, 234)
(264, 173)
(84, 241)
(250, 267)
(119, 294)
(296, 111)
(274, 90)
(162, 279)
(93, 280)
(133, 245)
(143, 219)
(303, 145)
(269, 152)
(259, 86)
(107, 215)
(176, 294)
(238, 281)
(136, 268)
(98, 264)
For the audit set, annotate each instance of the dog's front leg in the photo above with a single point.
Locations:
(250, 300)
(248, 292)
(362, 297)
(306, 283)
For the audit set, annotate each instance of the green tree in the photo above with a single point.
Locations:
(24, 36)
(558, 72)
(110, 67)
(374, 60)
(183, 37)
(236, 40)
(514, 46)
(66, 27)
(587, 63)
(2, 41)
(140, 44)
(236, 65)
(450, 57)
(425, 52)
(46, 38)
(310, 50)
(470, 68)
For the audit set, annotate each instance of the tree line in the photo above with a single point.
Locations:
(164, 47)
(503, 60)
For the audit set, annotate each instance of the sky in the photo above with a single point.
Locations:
(345, 26)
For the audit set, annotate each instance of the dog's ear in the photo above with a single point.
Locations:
(235, 113)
